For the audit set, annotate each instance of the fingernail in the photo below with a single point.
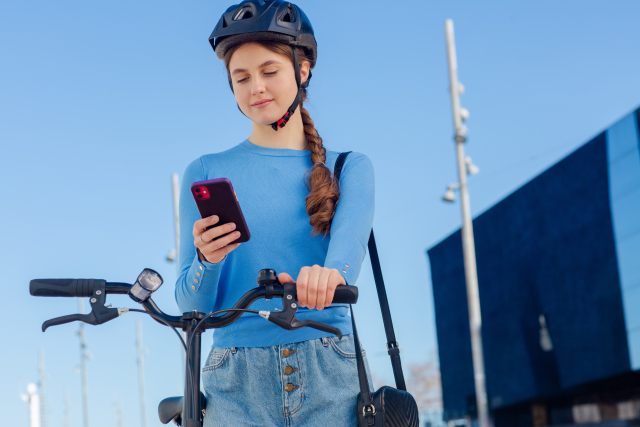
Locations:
(236, 234)
(232, 226)
(214, 218)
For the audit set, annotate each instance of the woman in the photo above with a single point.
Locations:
(258, 374)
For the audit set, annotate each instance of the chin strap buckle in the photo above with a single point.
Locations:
(281, 122)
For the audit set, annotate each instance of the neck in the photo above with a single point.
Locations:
(291, 136)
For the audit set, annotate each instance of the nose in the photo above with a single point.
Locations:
(258, 86)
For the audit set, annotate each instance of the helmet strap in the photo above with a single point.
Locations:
(282, 122)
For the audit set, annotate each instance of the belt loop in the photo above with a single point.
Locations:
(325, 341)
(233, 350)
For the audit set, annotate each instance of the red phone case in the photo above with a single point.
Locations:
(217, 197)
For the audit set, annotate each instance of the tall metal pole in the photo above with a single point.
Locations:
(119, 414)
(42, 376)
(468, 246)
(66, 417)
(83, 368)
(32, 399)
(143, 405)
(176, 216)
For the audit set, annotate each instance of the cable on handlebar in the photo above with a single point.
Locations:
(188, 348)
(160, 319)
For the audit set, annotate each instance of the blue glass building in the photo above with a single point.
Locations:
(559, 280)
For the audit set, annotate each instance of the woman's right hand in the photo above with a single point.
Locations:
(214, 251)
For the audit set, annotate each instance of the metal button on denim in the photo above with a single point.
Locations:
(286, 352)
(289, 370)
(290, 387)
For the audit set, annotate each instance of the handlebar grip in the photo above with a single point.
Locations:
(346, 295)
(63, 287)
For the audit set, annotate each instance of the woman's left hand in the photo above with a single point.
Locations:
(315, 285)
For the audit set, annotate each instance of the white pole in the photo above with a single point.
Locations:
(33, 401)
(42, 376)
(83, 368)
(143, 408)
(66, 420)
(468, 246)
(118, 413)
(176, 216)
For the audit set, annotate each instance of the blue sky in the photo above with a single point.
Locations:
(100, 102)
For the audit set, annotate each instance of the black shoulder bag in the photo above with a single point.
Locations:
(388, 406)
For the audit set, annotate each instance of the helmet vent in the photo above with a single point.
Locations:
(289, 15)
(244, 13)
(224, 22)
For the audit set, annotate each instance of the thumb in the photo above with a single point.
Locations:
(285, 278)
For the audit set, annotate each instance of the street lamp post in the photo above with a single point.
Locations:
(468, 246)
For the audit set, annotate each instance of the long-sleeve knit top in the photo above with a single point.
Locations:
(270, 186)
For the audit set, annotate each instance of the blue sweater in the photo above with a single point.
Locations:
(270, 186)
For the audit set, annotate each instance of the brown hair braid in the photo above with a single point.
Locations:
(324, 191)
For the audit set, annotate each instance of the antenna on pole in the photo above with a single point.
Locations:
(143, 409)
(84, 355)
(42, 376)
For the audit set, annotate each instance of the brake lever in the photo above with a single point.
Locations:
(66, 319)
(297, 324)
(99, 313)
(286, 318)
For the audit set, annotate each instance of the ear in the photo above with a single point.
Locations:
(304, 71)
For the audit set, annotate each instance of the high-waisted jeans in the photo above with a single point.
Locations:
(309, 383)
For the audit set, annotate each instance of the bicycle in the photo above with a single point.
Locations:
(187, 410)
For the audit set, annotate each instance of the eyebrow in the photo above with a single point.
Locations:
(265, 64)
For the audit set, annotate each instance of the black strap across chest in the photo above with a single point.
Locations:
(392, 344)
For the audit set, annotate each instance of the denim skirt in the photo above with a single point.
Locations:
(309, 383)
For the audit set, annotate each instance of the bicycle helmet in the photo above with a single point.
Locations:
(270, 20)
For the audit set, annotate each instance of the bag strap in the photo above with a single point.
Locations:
(392, 343)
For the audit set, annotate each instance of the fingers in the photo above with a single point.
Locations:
(215, 232)
(312, 286)
(301, 286)
(214, 251)
(335, 280)
(323, 280)
(285, 278)
(201, 225)
(316, 286)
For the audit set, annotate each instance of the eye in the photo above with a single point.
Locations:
(271, 73)
(242, 80)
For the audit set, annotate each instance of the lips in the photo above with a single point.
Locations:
(262, 103)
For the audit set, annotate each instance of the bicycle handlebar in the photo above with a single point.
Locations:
(97, 288)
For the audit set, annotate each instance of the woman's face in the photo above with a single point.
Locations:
(264, 82)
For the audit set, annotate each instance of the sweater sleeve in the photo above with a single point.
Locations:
(197, 285)
(353, 219)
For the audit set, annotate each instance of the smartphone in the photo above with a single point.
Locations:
(217, 197)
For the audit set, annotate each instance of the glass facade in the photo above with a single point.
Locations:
(559, 278)
(623, 153)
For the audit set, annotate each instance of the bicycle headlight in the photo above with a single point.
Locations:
(147, 283)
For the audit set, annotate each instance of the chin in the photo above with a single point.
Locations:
(264, 118)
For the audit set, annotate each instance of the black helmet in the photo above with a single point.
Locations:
(272, 20)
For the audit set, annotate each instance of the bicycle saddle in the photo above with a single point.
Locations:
(170, 409)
